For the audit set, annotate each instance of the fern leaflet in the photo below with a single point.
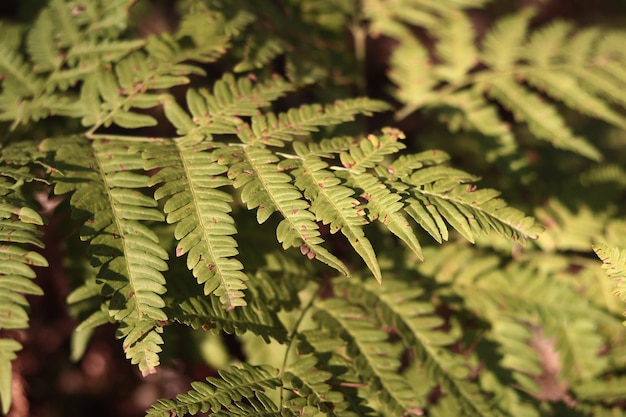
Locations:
(127, 253)
(18, 228)
(216, 394)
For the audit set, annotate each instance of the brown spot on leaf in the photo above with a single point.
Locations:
(551, 387)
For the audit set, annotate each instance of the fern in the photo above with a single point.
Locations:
(231, 191)
(520, 69)
(613, 260)
(18, 230)
(126, 252)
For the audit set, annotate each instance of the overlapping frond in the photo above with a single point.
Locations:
(65, 43)
(219, 111)
(105, 179)
(567, 230)
(391, 17)
(548, 333)
(528, 72)
(18, 233)
(90, 309)
(436, 193)
(80, 67)
(273, 130)
(268, 190)
(614, 262)
(191, 184)
(225, 393)
(313, 390)
(413, 317)
(374, 356)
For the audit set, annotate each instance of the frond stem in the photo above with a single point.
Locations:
(292, 337)
(105, 136)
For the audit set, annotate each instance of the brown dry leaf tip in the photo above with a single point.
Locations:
(550, 388)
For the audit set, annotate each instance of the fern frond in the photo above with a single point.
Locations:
(439, 193)
(400, 306)
(567, 230)
(373, 355)
(219, 111)
(189, 305)
(333, 204)
(18, 228)
(66, 44)
(200, 210)
(273, 130)
(216, 394)
(40, 43)
(259, 51)
(17, 76)
(260, 405)
(381, 203)
(542, 119)
(8, 349)
(456, 46)
(389, 17)
(104, 182)
(503, 44)
(522, 67)
(538, 309)
(206, 313)
(607, 391)
(90, 309)
(614, 262)
(313, 389)
(266, 188)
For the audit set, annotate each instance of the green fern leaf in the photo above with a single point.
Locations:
(104, 51)
(206, 313)
(259, 51)
(274, 130)
(436, 195)
(566, 88)
(568, 324)
(8, 347)
(368, 345)
(260, 405)
(127, 253)
(542, 118)
(504, 42)
(200, 211)
(218, 112)
(604, 390)
(216, 394)
(313, 389)
(372, 150)
(333, 204)
(614, 262)
(18, 227)
(40, 43)
(415, 87)
(266, 188)
(391, 18)
(17, 75)
(567, 230)
(415, 322)
(456, 46)
(384, 206)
